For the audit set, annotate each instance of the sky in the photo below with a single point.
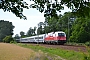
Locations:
(33, 18)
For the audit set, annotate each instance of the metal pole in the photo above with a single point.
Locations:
(68, 29)
(38, 38)
(38, 34)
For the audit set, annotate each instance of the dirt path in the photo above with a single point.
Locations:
(14, 52)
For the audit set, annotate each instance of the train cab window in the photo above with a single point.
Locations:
(61, 34)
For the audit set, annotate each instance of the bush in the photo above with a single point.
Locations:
(13, 42)
(87, 55)
(87, 43)
(8, 39)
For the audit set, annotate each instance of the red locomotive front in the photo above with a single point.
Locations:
(56, 37)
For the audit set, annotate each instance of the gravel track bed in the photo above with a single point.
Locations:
(67, 47)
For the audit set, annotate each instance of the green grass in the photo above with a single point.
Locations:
(66, 54)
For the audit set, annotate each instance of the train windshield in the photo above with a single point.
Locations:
(61, 34)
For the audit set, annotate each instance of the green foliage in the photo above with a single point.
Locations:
(14, 6)
(13, 42)
(17, 36)
(75, 44)
(6, 29)
(31, 31)
(50, 7)
(87, 55)
(57, 24)
(40, 28)
(81, 31)
(8, 39)
(22, 33)
(87, 43)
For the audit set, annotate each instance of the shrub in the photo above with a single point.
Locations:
(87, 43)
(8, 39)
(87, 55)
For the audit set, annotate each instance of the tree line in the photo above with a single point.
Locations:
(76, 28)
(31, 32)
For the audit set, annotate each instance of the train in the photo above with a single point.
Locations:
(58, 37)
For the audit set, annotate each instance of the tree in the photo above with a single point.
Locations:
(59, 24)
(6, 29)
(66, 22)
(31, 31)
(46, 26)
(17, 36)
(22, 33)
(40, 28)
(50, 7)
(52, 23)
(14, 6)
(8, 39)
(34, 30)
(81, 30)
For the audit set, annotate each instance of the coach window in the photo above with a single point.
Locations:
(36, 37)
(31, 38)
(40, 37)
(25, 39)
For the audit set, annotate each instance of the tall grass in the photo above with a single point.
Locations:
(87, 55)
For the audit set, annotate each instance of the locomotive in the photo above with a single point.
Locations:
(58, 37)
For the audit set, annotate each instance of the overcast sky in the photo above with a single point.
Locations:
(33, 18)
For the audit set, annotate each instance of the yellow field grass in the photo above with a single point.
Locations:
(14, 52)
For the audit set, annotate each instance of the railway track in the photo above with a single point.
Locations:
(66, 47)
(69, 47)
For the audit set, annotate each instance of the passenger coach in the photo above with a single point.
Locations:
(33, 39)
